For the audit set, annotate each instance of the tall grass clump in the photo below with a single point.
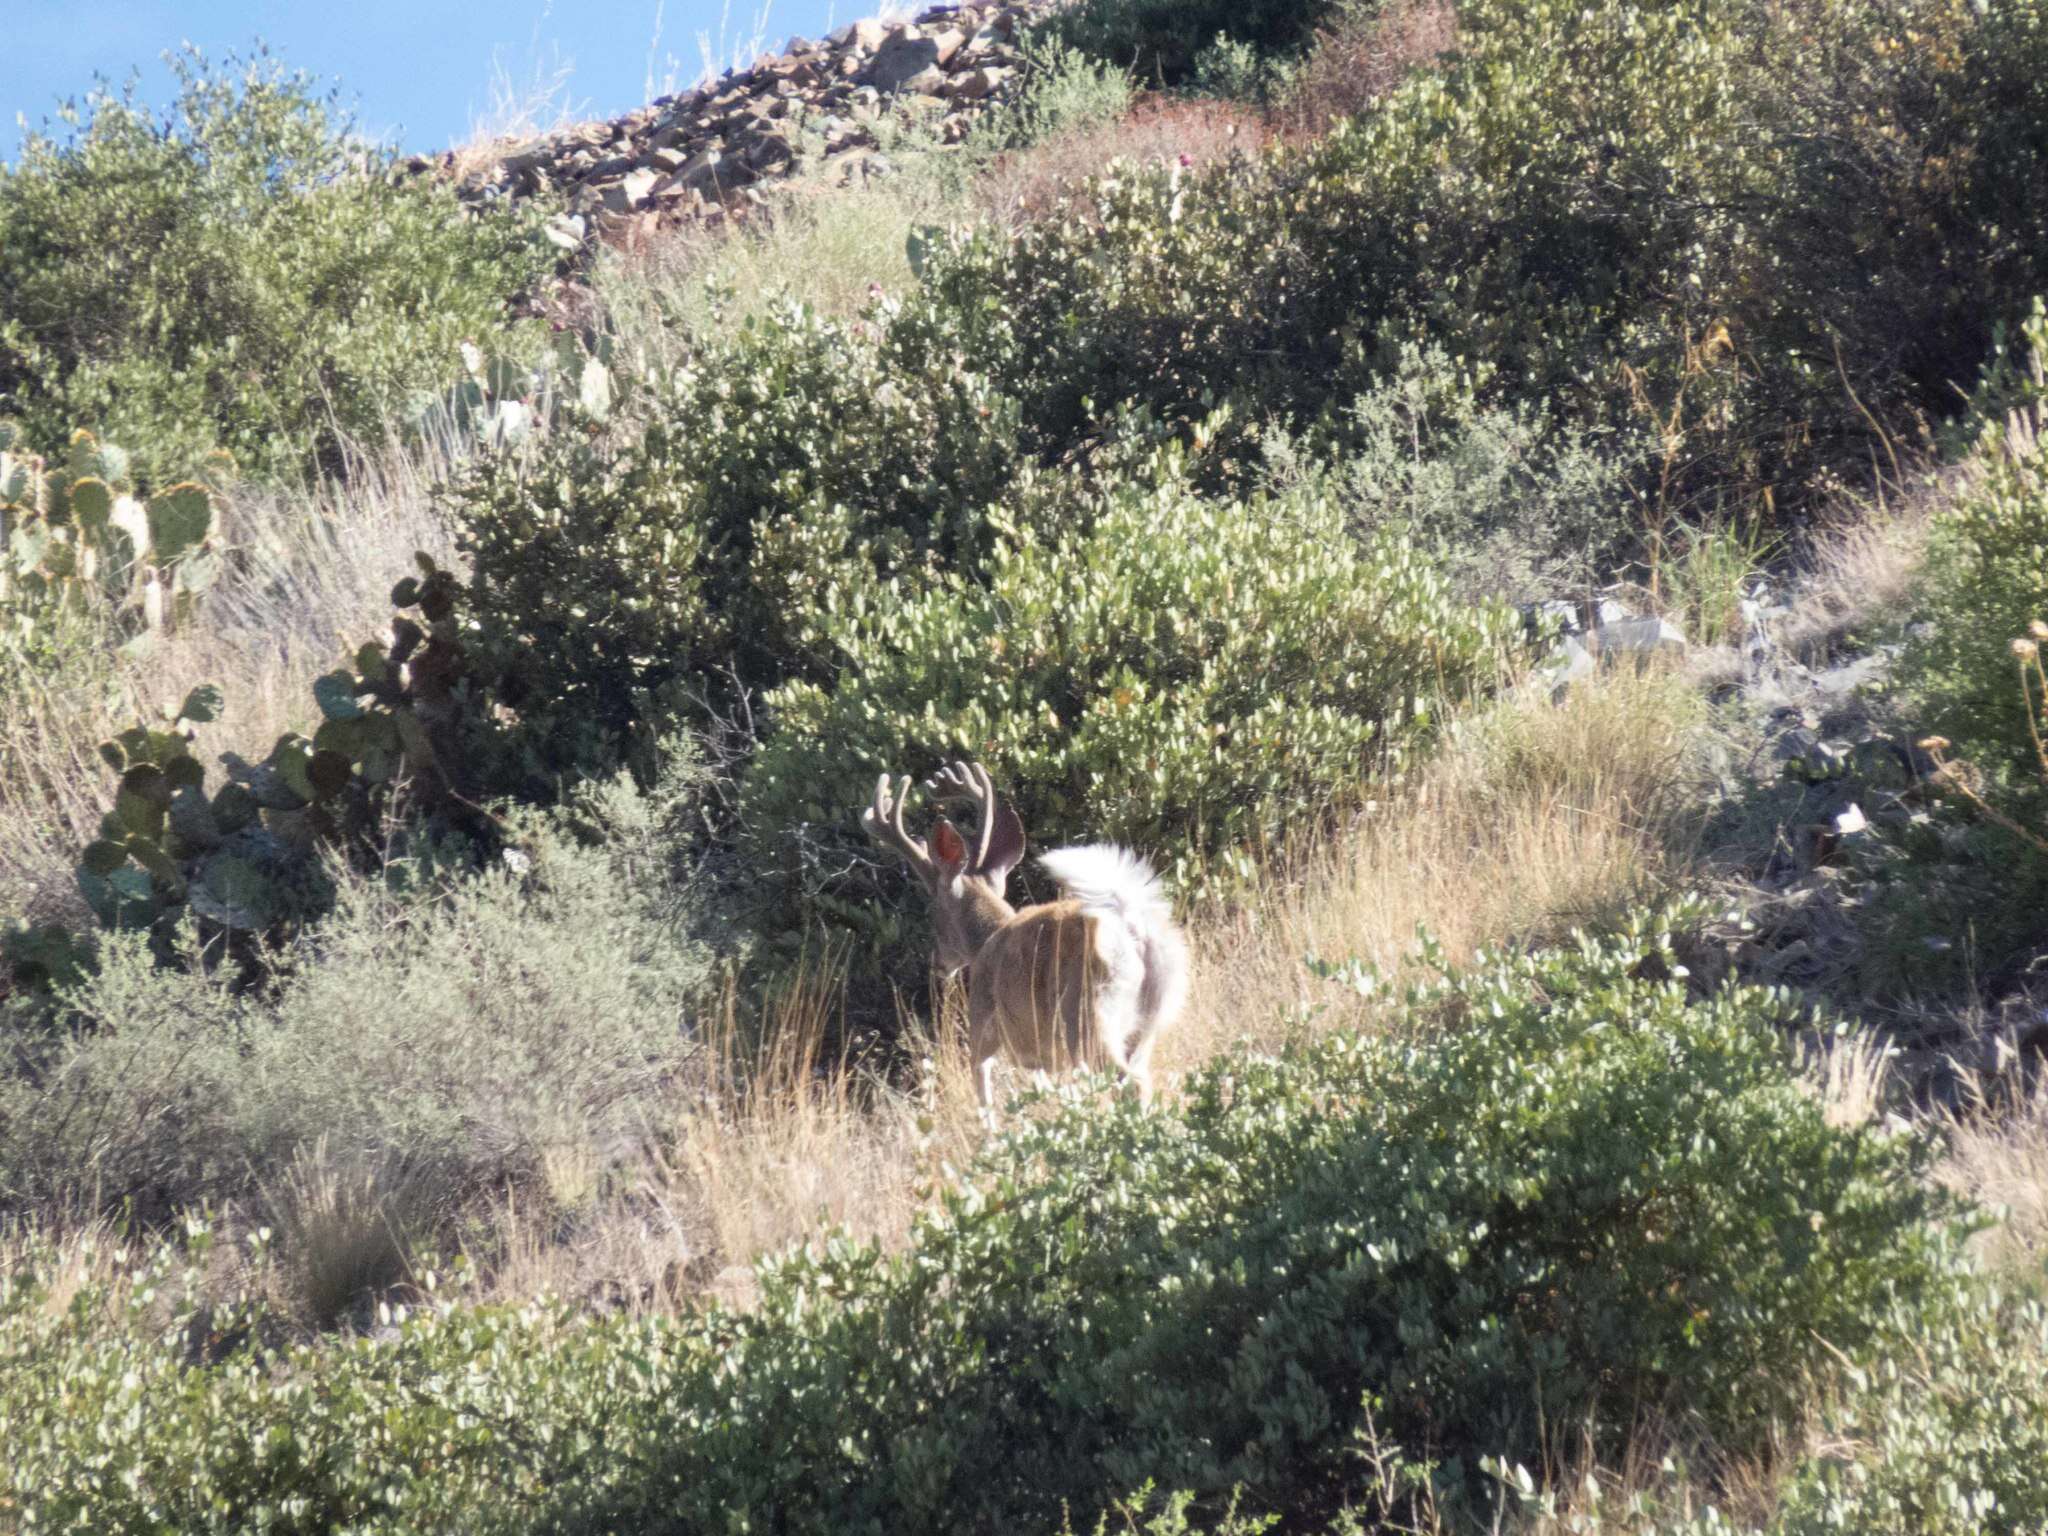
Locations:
(242, 273)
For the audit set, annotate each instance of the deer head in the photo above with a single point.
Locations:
(966, 881)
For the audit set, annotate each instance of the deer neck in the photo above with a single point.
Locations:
(982, 912)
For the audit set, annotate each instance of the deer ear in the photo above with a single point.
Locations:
(948, 847)
(1005, 844)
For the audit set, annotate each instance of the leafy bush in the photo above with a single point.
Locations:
(1065, 91)
(1987, 567)
(456, 1025)
(783, 470)
(1510, 503)
(1168, 42)
(1953, 1431)
(1727, 253)
(1188, 676)
(1945, 1436)
(246, 276)
(1587, 1200)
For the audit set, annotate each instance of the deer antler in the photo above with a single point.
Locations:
(884, 821)
(970, 782)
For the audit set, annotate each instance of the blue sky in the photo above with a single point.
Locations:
(418, 72)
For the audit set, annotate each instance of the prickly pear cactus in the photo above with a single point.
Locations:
(167, 844)
(248, 858)
(77, 531)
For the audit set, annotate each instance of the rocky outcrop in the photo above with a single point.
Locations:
(806, 115)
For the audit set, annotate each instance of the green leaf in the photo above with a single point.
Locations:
(236, 893)
(144, 797)
(161, 866)
(233, 808)
(329, 773)
(290, 757)
(92, 503)
(412, 736)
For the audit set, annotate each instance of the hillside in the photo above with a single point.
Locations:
(1529, 519)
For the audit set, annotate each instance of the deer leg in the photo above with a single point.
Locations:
(984, 1042)
(1139, 1070)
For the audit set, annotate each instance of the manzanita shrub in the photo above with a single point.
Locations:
(1566, 1197)
(1988, 566)
(1717, 215)
(1187, 675)
(619, 578)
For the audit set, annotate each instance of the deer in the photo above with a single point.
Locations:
(1089, 980)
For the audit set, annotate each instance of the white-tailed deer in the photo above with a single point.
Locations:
(1088, 981)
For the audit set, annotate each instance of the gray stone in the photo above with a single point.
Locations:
(566, 230)
(901, 60)
(639, 185)
(1641, 638)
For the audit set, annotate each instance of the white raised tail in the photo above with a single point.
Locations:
(1119, 889)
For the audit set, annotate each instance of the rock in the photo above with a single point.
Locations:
(1570, 663)
(690, 155)
(565, 230)
(901, 60)
(971, 84)
(769, 152)
(639, 185)
(700, 174)
(1640, 638)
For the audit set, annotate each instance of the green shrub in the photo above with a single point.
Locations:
(1511, 504)
(1167, 42)
(1987, 567)
(785, 469)
(454, 1023)
(1944, 1435)
(1586, 1200)
(1191, 677)
(1951, 1431)
(1065, 91)
(247, 276)
(1705, 213)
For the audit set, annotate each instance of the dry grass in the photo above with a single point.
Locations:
(1998, 1157)
(1358, 61)
(831, 250)
(1535, 819)
(1031, 184)
(345, 1228)
(837, 252)
(1863, 567)
(312, 579)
